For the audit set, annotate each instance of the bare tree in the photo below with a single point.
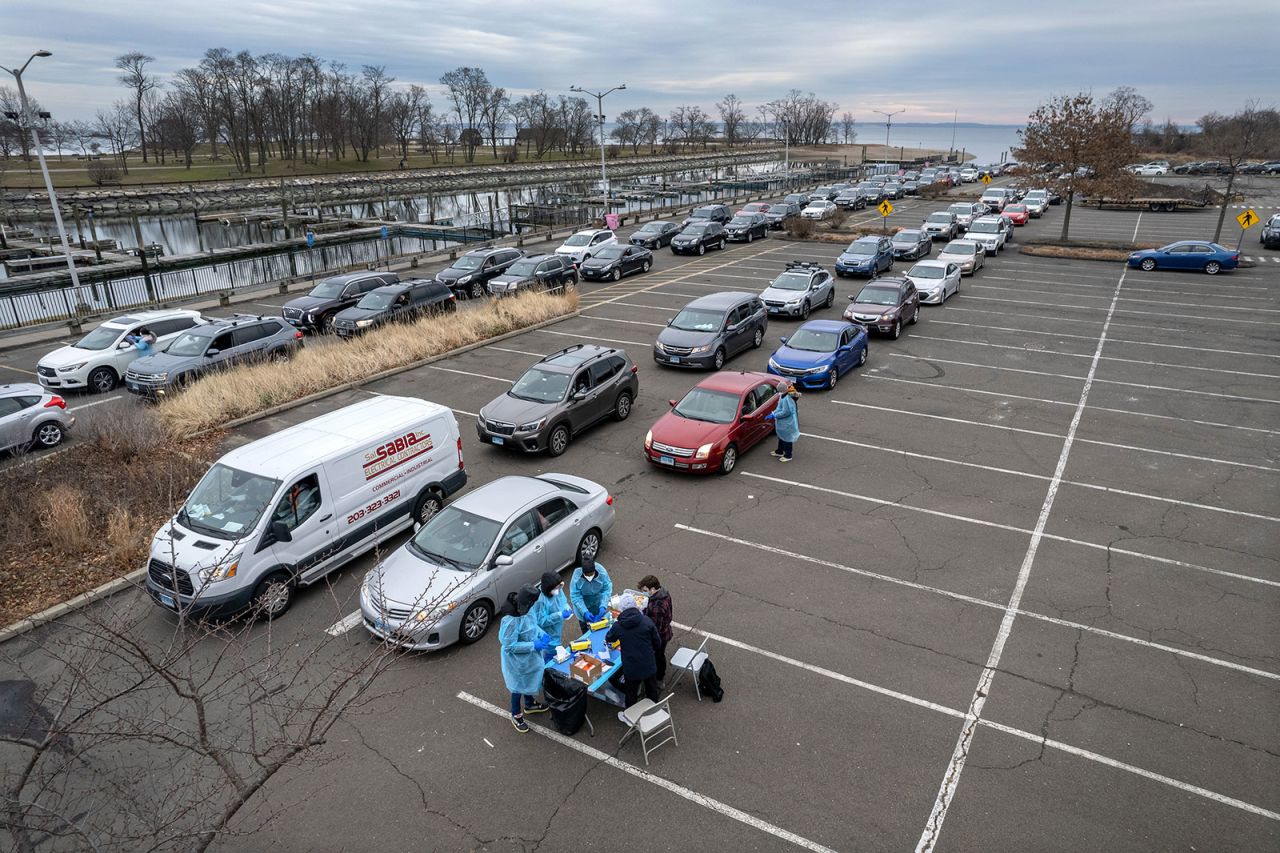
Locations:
(404, 111)
(807, 120)
(732, 116)
(135, 76)
(1236, 138)
(116, 125)
(847, 132)
(15, 133)
(1072, 143)
(469, 90)
(494, 112)
(1131, 106)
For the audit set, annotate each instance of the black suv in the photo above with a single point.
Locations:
(698, 236)
(780, 212)
(316, 311)
(559, 397)
(535, 272)
(709, 213)
(747, 227)
(470, 273)
(406, 301)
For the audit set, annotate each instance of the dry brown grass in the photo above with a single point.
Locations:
(237, 393)
(65, 520)
(1080, 253)
(127, 538)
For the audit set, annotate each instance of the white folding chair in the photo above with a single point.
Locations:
(652, 720)
(689, 660)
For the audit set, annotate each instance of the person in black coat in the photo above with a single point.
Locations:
(641, 645)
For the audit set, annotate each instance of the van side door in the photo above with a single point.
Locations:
(305, 510)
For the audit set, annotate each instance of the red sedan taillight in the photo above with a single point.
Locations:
(57, 401)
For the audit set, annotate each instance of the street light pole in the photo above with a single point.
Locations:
(888, 122)
(599, 96)
(44, 168)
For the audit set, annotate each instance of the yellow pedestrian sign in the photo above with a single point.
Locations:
(885, 208)
(1247, 219)
(986, 179)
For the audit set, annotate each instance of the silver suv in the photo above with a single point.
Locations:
(559, 397)
(31, 417)
(219, 344)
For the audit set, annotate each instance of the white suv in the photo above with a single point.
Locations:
(995, 199)
(990, 232)
(97, 361)
(585, 244)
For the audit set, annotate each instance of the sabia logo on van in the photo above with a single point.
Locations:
(396, 452)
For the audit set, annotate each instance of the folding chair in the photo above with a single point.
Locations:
(653, 721)
(688, 660)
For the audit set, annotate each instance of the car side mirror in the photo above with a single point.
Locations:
(124, 345)
(671, 403)
(580, 394)
(210, 353)
(853, 299)
(281, 532)
(784, 340)
(502, 561)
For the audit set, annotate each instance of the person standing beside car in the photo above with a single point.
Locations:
(523, 643)
(590, 590)
(786, 423)
(659, 611)
(551, 609)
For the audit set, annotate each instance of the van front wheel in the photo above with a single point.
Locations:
(272, 597)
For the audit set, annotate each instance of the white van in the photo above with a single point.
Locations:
(285, 510)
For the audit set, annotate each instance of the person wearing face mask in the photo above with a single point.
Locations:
(786, 423)
(551, 609)
(523, 644)
(590, 590)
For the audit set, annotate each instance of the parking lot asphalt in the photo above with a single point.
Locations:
(1017, 591)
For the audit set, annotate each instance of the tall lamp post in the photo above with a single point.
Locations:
(888, 121)
(44, 167)
(599, 96)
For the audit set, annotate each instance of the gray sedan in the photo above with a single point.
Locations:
(31, 417)
(445, 585)
(935, 280)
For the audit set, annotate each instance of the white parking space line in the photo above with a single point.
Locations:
(654, 779)
(585, 337)
(1091, 407)
(1094, 441)
(1077, 483)
(1091, 337)
(1031, 350)
(1145, 314)
(1162, 292)
(100, 401)
(1136, 225)
(1000, 727)
(19, 370)
(628, 322)
(980, 602)
(1217, 394)
(467, 373)
(343, 625)
(516, 351)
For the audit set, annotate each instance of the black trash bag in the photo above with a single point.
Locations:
(709, 682)
(567, 700)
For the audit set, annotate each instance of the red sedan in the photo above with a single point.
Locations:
(718, 420)
(754, 207)
(1018, 213)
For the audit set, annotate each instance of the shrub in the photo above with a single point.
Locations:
(65, 520)
(127, 539)
(799, 227)
(103, 172)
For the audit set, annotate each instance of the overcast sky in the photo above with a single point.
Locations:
(992, 62)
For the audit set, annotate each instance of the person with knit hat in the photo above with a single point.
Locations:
(589, 591)
(523, 643)
(551, 608)
(641, 646)
(786, 422)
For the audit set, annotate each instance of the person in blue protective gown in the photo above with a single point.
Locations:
(786, 423)
(523, 643)
(551, 609)
(589, 591)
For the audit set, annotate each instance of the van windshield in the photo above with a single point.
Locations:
(227, 502)
(455, 536)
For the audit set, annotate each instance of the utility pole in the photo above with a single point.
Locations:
(888, 122)
(955, 115)
(44, 168)
(599, 96)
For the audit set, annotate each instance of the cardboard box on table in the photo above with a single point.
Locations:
(586, 668)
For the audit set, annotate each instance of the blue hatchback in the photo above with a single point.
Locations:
(1187, 255)
(820, 352)
(867, 256)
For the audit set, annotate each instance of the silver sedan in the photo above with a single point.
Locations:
(935, 280)
(445, 585)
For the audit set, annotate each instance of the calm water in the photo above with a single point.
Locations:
(987, 142)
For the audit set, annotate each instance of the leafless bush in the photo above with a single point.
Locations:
(102, 171)
(126, 537)
(126, 433)
(65, 520)
(799, 227)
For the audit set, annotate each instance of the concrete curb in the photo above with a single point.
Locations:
(71, 605)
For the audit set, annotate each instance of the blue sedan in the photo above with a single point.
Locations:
(1187, 255)
(819, 353)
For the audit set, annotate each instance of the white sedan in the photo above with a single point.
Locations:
(1151, 170)
(820, 209)
(935, 280)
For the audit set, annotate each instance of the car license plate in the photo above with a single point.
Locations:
(496, 439)
(167, 600)
(667, 460)
(675, 359)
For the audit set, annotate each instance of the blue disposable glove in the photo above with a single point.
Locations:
(771, 416)
(542, 643)
(565, 614)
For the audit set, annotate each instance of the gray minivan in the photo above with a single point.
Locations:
(712, 329)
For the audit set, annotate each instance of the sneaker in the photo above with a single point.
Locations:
(622, 718)
(520, 724)
(775, 453)
(535, 708)
(784, 458)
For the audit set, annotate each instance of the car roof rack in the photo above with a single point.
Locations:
(811, 266)
(575, 347)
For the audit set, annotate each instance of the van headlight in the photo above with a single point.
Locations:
(222, 571)
(703, 348)
(704, 451)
